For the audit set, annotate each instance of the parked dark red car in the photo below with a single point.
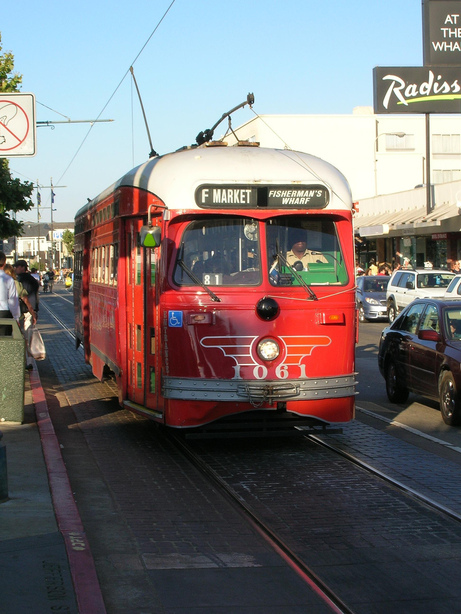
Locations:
(421, 353)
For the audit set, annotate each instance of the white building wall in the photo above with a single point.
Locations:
(358, 145)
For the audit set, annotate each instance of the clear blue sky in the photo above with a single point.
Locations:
(297, 56)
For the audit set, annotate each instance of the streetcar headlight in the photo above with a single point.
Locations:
(268, 349)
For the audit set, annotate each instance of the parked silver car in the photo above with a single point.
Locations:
(454, 289)
(371, 297)
(406, 285)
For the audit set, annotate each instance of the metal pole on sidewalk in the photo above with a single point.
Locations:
(3, 472)
(429, 204)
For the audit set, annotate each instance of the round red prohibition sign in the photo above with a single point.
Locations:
(14, 125)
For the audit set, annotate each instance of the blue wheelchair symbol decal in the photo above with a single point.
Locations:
(175, 318)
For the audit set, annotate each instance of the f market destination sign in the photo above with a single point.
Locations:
(425, 89)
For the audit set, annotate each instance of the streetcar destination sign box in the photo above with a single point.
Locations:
(273, 197)
(420, 89)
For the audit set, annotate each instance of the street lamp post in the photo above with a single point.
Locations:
(400, 135)
(428, 165)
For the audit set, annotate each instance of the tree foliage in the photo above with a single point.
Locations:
(9, 81)
(14, 197)
(14, 194)
(68, 240)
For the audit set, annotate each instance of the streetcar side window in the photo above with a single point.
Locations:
(94, 260)
(100, 263)
(113, 263)
(78, 265)
(138, 265)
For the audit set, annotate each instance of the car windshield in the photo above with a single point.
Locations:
(375, 285)
(434, 280)
(237, 251)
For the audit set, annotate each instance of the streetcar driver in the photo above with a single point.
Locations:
(299, 256)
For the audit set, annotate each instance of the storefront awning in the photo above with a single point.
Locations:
(404, 221)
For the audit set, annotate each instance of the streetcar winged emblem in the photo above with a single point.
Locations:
(240, 348)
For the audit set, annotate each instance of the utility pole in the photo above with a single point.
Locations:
(51, 186)
(39, 203)
(52, 209)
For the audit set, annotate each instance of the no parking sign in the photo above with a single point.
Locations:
(17, 125)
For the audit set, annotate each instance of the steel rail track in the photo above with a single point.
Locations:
(307, 575)
(315, 438)
(58, 320)
(411, 492)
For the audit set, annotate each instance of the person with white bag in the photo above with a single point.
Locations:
(9, 301)
(28, 318)
(31, 285)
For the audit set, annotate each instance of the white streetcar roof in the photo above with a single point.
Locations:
(175, 177)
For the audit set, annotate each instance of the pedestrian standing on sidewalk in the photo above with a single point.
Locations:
(22, 295)
(9, 302)
(32, 286)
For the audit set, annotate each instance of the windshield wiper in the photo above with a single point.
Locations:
(194, 277)
(293, 271)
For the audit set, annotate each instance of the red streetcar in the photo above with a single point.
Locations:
(217, 281)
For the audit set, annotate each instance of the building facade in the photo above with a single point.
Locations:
(384, 158)
(396, 227)
(42, 245)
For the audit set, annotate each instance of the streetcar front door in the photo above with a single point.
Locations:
(134, 313)
(141, 383)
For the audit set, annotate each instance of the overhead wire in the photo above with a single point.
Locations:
(54, 110)
(117, 88)
(297, 158)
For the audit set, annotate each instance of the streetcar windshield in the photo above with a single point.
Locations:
(304, 251)
(220, 251)
(226, 251)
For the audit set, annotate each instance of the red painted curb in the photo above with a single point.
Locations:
(81, 562)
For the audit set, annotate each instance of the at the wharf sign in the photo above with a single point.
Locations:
(442, 32)
(424, 89)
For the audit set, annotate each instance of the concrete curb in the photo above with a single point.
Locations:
(81, 562)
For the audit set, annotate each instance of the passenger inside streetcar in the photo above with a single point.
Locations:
(304, 252)
(216, 263)
(299, 256)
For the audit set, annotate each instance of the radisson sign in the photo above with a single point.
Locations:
(422, 89)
